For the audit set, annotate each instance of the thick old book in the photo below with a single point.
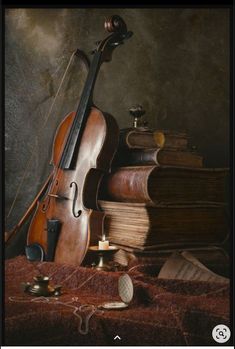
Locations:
(139, 139)
(185, 266)
(159, 157)
(212, 256)
(146, 184)
(148, 227)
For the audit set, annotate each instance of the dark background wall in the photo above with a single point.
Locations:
(176, 65)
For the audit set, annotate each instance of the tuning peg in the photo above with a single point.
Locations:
(136, 112)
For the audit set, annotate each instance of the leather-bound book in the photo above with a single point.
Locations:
(137, 138)
(146, 184)
(147, 227)
(160, 157)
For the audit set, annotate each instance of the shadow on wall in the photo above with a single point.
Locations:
(176, 65)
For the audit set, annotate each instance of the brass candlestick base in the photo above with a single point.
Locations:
(41, 287)
(104, 257)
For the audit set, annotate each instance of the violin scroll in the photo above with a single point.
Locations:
(115, 24)
(118, 29)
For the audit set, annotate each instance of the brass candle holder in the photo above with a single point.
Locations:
(41, 287)
(104, 257)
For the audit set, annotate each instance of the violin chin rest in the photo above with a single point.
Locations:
(34, 252)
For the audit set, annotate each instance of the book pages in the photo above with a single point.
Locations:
(184, 266)
(191, 258)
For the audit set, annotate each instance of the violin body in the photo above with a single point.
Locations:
(75, 191)
(67, 217)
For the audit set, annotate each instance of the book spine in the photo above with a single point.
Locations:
(176, 142)
(136, 157)
(132, 139)
(137, 139)
(127, 184)
(158, 157)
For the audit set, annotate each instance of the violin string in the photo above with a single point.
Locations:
(41, 129)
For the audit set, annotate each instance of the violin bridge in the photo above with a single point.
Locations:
(60, 197)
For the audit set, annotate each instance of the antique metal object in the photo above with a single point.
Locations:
(136, 112)
(41, 287)
(125, 290)
(104, 257)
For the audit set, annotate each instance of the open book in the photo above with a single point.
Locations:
(184, 266)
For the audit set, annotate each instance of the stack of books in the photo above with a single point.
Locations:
(159, 197)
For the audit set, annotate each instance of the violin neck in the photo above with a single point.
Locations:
(74, 137)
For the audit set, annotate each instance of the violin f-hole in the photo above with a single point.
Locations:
(46, 204)
(76, 215)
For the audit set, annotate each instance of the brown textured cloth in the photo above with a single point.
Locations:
(163, 312)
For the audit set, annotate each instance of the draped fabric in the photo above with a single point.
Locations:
(162, 312)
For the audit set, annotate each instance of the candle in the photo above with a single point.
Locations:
(104, 245)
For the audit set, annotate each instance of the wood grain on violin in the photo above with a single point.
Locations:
(84, 146)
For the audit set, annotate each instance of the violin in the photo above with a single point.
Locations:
(85, 142)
